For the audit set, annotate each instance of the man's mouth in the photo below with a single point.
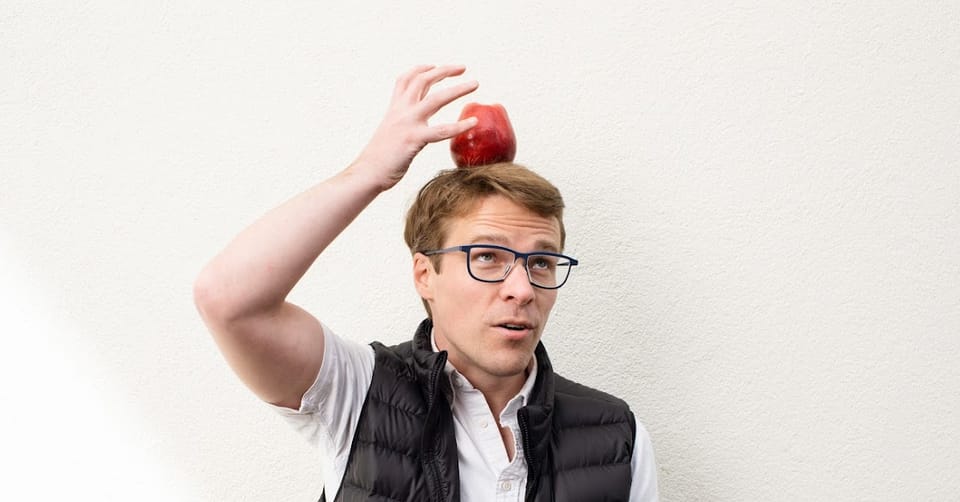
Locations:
(517, 327)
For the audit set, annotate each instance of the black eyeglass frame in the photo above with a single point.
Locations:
(516, 255)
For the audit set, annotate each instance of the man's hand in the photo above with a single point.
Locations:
(404, 130)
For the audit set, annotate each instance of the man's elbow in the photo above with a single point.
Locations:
(211, 300)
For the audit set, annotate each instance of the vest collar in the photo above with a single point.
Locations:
(440, 460)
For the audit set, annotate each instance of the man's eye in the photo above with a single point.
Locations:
(485, 257)
(543, 262)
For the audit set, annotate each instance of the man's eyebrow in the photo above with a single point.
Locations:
(547, 246)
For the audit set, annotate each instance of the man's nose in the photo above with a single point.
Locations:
(516, 285)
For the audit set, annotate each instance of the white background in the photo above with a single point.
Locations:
(764, 196)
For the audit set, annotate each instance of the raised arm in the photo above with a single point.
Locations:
(275, 347)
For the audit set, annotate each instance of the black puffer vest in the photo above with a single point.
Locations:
(577, 441)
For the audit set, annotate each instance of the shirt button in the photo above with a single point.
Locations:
(483, 425)
(505, 486)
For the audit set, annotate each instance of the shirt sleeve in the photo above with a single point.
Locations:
(330, 409)
(643, 488)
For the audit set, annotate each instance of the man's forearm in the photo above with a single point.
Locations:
(259, 268)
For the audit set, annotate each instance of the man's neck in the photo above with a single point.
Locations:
(498, 391)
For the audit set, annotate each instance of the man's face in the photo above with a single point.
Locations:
(470, 317)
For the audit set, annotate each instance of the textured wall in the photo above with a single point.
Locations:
(764, 198)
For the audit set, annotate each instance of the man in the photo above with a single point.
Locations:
(470, 409)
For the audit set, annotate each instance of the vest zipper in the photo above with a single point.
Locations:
(431, 398)
(437, 368)
(523, 419)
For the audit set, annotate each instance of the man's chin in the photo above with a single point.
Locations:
(512, 365)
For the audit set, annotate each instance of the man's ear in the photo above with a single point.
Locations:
(423, 273)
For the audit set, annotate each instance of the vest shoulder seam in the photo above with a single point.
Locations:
(564, 427)
(395, 406)
(386, 447)
(592, 466)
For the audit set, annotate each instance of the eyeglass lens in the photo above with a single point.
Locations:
(493, 264)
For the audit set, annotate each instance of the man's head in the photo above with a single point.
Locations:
(456, 192)
(489, 328)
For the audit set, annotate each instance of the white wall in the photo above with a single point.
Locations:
(765, 200)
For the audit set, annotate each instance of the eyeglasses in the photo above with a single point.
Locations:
(490, 263)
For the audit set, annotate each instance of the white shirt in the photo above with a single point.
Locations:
(330, 411)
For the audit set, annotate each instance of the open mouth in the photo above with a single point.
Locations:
(516, 327)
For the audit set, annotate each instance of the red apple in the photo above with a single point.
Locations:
(488, 142)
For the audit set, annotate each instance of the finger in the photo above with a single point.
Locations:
(434, 102)
(403, 81)
(447, 131)
(421, 83)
